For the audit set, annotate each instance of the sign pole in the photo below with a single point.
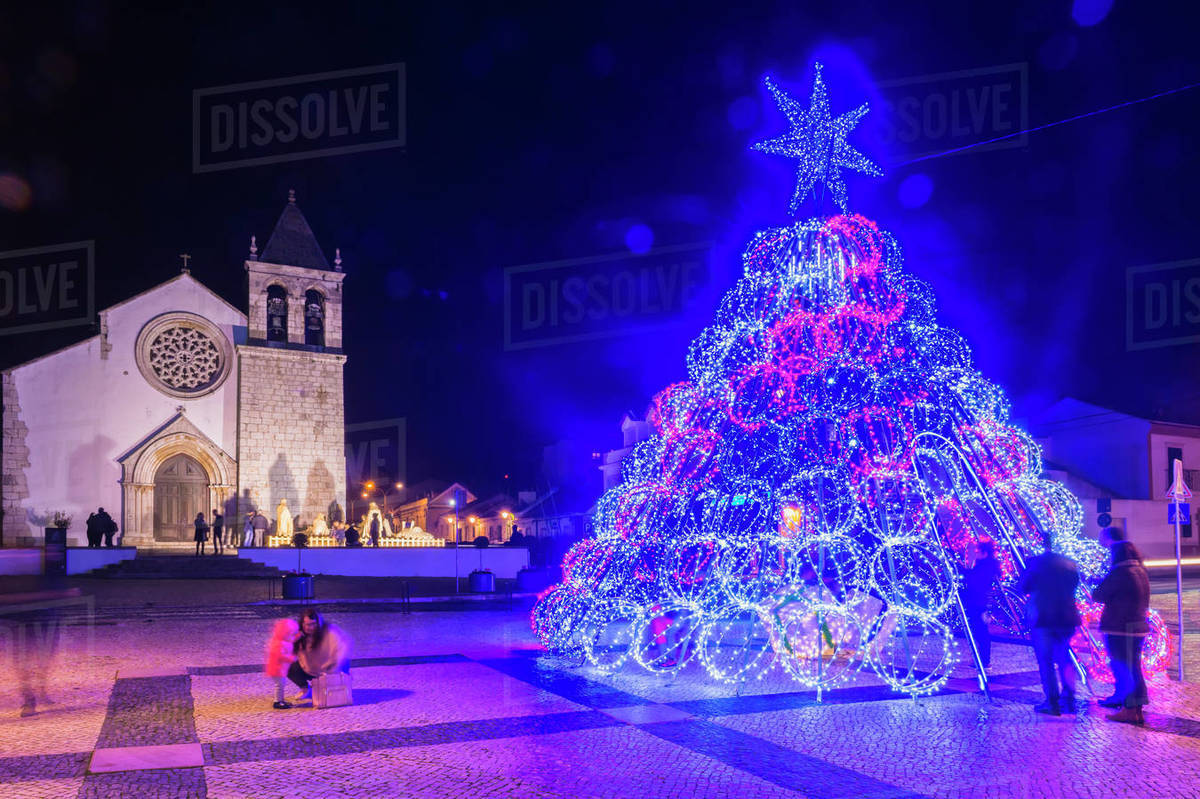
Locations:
(1179, 490)
(1179, 585)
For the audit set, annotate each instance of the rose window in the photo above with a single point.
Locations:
(185, 358)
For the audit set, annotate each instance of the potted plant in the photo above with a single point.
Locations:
(482, 581)
(54, 550)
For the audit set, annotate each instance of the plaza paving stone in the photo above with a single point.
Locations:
(465, 704)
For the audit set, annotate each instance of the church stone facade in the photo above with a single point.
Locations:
(183, 403)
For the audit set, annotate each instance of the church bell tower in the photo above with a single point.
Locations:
(291, 417)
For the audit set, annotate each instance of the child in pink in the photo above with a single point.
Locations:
(280, 655)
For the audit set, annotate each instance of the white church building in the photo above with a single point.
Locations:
(183, 403)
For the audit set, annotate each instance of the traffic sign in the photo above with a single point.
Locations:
(1179, 489)
(1185, 513)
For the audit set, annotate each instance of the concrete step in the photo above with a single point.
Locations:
(147, 566)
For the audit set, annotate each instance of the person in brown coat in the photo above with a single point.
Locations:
(1125, 622)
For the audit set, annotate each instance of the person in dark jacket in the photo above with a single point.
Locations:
(106, 527)
(201, 533)
(977, 587)
(93, 530)
(1125, 622)
(1052, 580)
(218, 530)
(352, 537)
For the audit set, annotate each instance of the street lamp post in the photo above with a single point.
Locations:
(457, 542)
(370, 487)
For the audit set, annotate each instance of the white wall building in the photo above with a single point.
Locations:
(152, 417)
(1107, 457)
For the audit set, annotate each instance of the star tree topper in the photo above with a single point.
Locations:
(818, 142)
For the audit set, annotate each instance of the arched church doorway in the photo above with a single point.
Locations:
(180, 492)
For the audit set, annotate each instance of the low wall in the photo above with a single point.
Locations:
(28, 560)
(1145, 521)
(504, 562)
(21, 561)
(84, 559)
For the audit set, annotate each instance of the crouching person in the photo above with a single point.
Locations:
(322, 648)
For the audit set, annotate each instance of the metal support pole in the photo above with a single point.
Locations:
(1179, 585)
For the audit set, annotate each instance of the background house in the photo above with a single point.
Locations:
(1120, 467)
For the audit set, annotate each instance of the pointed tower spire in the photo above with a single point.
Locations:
(292, 243)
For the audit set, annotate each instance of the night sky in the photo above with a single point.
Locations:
(566, 132)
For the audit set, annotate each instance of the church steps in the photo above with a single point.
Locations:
(148, 566)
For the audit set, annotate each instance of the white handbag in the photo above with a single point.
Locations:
(333, 690)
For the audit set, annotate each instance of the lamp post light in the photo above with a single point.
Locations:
(457, 541)
(370, 488)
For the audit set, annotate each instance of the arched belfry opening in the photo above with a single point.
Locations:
(314, 318)
(277, 313)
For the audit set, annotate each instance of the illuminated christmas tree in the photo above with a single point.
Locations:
(811, 493)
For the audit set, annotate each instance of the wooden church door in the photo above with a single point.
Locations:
(180, 492)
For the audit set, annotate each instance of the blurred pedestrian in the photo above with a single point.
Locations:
(281, 654)
(201, 533)
(218, 530)
(1125, 622)
(323, 648)
(248, 530)
(1052, 581)
(978, 580)
(30, 623)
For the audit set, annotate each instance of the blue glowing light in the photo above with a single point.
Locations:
(639, 238)
(1091, 12)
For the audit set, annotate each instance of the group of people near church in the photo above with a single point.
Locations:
(218, 532)
(100, 526)
(1051, 580)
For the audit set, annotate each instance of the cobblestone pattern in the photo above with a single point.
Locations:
(358, 663)
(456, 732)
(166, 783)
(67, 788)
(502, 719)
(43, 767)
(781, 765)
(232, 708)
(615, 762)
(544, 675)
(149, 711)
